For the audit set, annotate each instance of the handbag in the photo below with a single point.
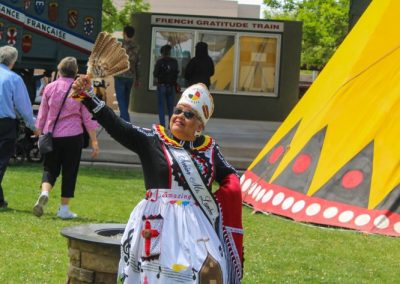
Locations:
(45, 142)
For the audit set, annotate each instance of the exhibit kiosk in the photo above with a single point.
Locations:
(257, 62)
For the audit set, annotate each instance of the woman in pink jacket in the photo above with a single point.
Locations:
(67, 138)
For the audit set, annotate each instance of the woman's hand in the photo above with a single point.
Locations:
(81, 85)
(37, 132)
(95, 149)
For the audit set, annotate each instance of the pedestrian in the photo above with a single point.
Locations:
(68, 138)
(124, 82)
(14, 102)
(181, 231)
(201, 67)
(166, 73)
(40, 83)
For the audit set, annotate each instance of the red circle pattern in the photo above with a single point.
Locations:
(278, 152)
(352, 179)
(302, 163)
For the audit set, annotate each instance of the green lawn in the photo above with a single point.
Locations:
(276, 250)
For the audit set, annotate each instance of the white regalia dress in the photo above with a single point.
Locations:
(168, 239)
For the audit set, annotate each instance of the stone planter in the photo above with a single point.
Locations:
(94, 251)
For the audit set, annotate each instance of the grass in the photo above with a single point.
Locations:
(277, 250)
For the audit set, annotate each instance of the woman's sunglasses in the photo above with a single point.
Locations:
(186, 113)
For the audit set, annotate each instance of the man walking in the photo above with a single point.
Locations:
(124, 82)
(166, 72)
(14, 101)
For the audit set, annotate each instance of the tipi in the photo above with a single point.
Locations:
(335, 160)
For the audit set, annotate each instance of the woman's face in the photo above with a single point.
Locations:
(184, 123)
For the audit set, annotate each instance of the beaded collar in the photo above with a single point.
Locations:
(201, 143)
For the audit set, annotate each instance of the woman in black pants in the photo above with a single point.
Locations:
(67, 137)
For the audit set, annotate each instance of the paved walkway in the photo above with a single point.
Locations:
(240, 141)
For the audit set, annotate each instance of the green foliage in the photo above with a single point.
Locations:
(325, 25)
(277, 250)
(114, 20)
(109, 18)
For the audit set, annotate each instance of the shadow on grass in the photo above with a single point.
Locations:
(87, 171)
(50, 216)
(110, 174)
(2, 210)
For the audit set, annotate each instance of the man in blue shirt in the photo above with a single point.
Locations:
(14, 101)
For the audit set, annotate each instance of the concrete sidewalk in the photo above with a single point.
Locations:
(240, 141)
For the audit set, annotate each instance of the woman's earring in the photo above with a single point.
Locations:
(197, 133)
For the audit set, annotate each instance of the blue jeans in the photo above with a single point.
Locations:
(166, 93)
(123, 87)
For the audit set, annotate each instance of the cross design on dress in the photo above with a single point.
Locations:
(148, 233)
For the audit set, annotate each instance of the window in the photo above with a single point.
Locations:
(245, 63)
(182, 44)
(257, 65)
(221, 48)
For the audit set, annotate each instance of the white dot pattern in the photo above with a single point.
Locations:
(298, 206)
(278, 199)
(287, 203)
(362, 220)
(246, 185)
(346, 216)
(381, 222)
(330, 212)
(313, 209)
(242, 179)
(258, 193)
(396, 227)
(252, 188)
(267, 196)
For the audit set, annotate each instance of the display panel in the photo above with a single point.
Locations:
(257, 65)
(245, 63)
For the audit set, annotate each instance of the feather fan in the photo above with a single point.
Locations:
(108, 57)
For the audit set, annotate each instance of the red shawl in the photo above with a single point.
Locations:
(229, 197)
